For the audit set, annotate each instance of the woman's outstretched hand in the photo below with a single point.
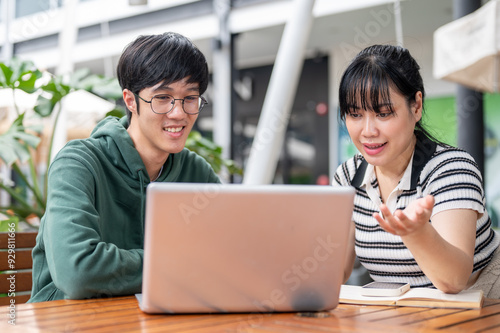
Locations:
(410, 220)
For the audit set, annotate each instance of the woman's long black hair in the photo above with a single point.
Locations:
(373, 72)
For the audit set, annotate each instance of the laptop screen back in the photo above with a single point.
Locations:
(239, 248)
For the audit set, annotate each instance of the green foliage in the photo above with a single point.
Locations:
(19, 75)
(16, 141)
(19, 142)
(211, 152)
(8, 224)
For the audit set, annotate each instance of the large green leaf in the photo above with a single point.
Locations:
(16, 141)
(44, 106)
(107, 88)
(117, 112)
(77, 79)
(56, 89)
(27, 83)
(53, 92)
(5, 75)
(19, 74)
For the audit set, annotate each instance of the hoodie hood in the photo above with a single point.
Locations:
(116, 144)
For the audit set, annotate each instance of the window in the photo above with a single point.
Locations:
(29, 7)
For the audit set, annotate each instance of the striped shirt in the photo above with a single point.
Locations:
(447, 173)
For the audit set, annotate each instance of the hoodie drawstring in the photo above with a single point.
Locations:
(143, 197)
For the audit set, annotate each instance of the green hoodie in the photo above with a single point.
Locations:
(91, 238)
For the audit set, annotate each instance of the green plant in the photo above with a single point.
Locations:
(19, 142)
(212, 153)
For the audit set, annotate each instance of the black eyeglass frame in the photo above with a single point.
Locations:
(202, 104)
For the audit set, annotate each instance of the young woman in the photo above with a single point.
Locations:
(420, 214)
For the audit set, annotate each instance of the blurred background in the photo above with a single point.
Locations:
(244, 40)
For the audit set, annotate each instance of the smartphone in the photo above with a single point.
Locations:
(385, 289)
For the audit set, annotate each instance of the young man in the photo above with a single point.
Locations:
(90, 241)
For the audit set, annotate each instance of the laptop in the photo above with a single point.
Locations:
(213, 248)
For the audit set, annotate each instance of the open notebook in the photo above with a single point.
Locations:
(239, 248)
(419, 297)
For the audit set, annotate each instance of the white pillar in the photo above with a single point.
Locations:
(5, 177)
(273, 121)
(8, 13)
(109, 70)
(337, 63)
(67, 41)
(67, 38)
(221, 72)
(398, 23)
(333, 125)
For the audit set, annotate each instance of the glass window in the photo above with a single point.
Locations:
(28, 7)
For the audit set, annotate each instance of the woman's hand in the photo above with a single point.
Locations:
(408, 221)
(444, 250)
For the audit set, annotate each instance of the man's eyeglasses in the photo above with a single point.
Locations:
(163, 104)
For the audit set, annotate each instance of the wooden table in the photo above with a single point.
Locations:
(122, 314)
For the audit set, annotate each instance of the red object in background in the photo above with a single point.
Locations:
(322, 180)
(321, 109)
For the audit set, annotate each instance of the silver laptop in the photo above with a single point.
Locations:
(212, 248)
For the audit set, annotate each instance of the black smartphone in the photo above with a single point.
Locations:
(385, 289)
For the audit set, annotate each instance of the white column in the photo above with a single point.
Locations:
(109, 70)
(273, 121)
(333, 105)
(221, 72)
(5, 177)
(67, 41)
(67, 38)
(337, 63)
(137, 2)
(8, 13)
(398, 23)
